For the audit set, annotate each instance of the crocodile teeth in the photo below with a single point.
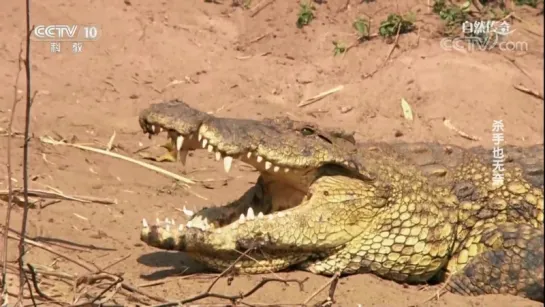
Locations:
(181, 227)
(187, 212)
(145, 223)
(179, 142)
(167, 227)
(200, 137)
(250, 215)
(157, 221)
(249, 155)
(260, 215)
(227, 162)
(276, 169)
(286, 170)
(204, 143)
(218, 155)
(268, 165)
(189, 224)
(242, 218)
(259, 159)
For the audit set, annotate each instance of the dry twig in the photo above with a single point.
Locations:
(440, 292)
(3, 294)
(260, 6)
(56, 196)
(22, 276)
(330, 282)
(318, 97)
(87, 266)
(51, 141)
(234, 299)
(449, 125)
(528, 91)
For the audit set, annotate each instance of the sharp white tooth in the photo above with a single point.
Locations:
(205, 221)
(259, 159)
(218, 155)
(200, 137)
(167, 227)
(183, 155)
(179, 142)
(204, 143)
(227, 161)
(181, 227)
(189, 224)
(260, 215)
(276, 169)
(187, 212)
(145, 223)
(286, 170)
(241, 218)
(249, 155)
(157, 221)
(167, 221)
(210, 148)
(268, 165)
(250, 215)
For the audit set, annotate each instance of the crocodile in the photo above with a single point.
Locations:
(408, 212)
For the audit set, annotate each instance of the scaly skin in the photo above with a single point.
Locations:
(406, 212)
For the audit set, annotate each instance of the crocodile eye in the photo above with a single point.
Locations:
(307, 131)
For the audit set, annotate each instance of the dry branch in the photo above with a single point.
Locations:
(87, 266)
(22, 276)
(51, 141)
(328, 283)
(450, 126)
(234, 299)
(56, 196)
(320, 96)
(528, 91)
(9, 199)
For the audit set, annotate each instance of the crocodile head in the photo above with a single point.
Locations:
(289, 155)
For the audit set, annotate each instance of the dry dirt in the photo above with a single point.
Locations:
(221, 59)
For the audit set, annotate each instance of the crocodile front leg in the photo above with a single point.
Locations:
(505, 259)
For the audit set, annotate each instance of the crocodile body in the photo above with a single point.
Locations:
(412, 213)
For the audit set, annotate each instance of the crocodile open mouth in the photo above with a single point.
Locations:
(289, 156)
(296, 178)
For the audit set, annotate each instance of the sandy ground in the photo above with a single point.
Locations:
(221, 59)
